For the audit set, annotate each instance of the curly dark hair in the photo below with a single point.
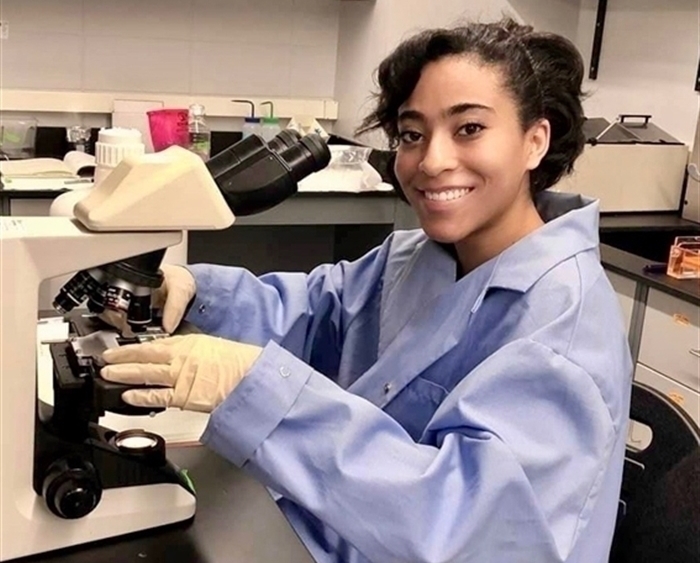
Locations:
(543, 71)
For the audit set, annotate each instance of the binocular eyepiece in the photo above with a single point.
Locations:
(253, 176)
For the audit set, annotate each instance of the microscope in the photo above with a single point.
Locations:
(64, 479)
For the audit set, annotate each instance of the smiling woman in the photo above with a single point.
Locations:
(464, 166)
(483, 118)
(461, 392)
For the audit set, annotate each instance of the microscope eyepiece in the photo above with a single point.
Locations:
(309, 155)
(253, 177)
(283, 140)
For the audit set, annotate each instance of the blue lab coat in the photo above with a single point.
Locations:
(406, 415)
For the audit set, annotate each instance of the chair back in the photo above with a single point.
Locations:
(652, 527)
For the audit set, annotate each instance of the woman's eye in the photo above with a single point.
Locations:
(471, 129)
(409, 137)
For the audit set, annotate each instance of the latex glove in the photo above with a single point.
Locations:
(197, 371)
(173, 297)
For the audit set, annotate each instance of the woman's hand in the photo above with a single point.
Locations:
(194, 372)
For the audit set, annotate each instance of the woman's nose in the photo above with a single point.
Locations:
(440, 156)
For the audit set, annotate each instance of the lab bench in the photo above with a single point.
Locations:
(305, 230)
(236, 521)
(304, 208)
(661, 313)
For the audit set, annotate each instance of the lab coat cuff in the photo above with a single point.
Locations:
(239, 425)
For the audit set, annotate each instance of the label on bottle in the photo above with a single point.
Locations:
(200, 144)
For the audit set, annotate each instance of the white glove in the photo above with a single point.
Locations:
(197, 371)
(173, 296)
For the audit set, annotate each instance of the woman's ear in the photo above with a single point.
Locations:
(537, 141)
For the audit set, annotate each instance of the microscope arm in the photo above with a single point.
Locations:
(175, 190)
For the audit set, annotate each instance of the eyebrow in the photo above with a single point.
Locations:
(449, 112)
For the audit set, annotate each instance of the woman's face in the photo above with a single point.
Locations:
(463, 158)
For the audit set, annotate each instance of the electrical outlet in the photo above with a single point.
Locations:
(4, 30)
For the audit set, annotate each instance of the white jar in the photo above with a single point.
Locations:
(113, 144)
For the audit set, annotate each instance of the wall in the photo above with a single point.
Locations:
(282, 48)
(648, 62)
(220, 47)
(559, 16)
(293, 48)
(369, 31)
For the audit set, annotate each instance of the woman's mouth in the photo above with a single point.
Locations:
(446, 195)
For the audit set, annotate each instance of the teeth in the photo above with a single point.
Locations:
(447, 195)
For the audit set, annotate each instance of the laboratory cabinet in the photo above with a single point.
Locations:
(670, 342)
(669, 350)
(665, 344)
(662, 316)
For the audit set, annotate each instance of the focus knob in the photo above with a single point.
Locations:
(71, 488)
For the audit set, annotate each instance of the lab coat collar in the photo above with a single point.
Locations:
(571, 227)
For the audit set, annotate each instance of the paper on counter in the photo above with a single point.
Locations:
(45, 184)
(174, 425)
(353, 180)
(53, 329)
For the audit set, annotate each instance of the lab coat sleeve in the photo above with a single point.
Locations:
(507, 470)
(302, 312)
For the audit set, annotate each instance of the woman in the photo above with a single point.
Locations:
(459, 393)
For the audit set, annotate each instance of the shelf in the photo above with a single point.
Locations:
(64, 101)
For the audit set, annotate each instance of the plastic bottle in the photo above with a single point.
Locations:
(270, 125)
(199, 133)
(251, 124)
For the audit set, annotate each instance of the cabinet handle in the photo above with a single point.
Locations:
(695, 352)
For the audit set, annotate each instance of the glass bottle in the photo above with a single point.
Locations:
(199, 133)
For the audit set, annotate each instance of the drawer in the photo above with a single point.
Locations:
(671, 338)
(686, 398)
(625, 289)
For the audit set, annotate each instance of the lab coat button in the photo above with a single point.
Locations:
(387, 388)
(202, 308)
(285, 372)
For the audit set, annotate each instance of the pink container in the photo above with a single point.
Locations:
(168, 127)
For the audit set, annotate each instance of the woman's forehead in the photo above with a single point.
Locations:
(457, 81)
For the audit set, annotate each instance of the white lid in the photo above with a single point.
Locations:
(113, 145)
(119, 135)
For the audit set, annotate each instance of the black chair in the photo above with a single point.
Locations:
(659, 517)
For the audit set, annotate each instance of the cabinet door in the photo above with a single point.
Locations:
(625, 288)
(671, 338)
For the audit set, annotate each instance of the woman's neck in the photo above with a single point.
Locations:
(517, 222)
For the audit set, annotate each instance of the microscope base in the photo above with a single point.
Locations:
(34, 529)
